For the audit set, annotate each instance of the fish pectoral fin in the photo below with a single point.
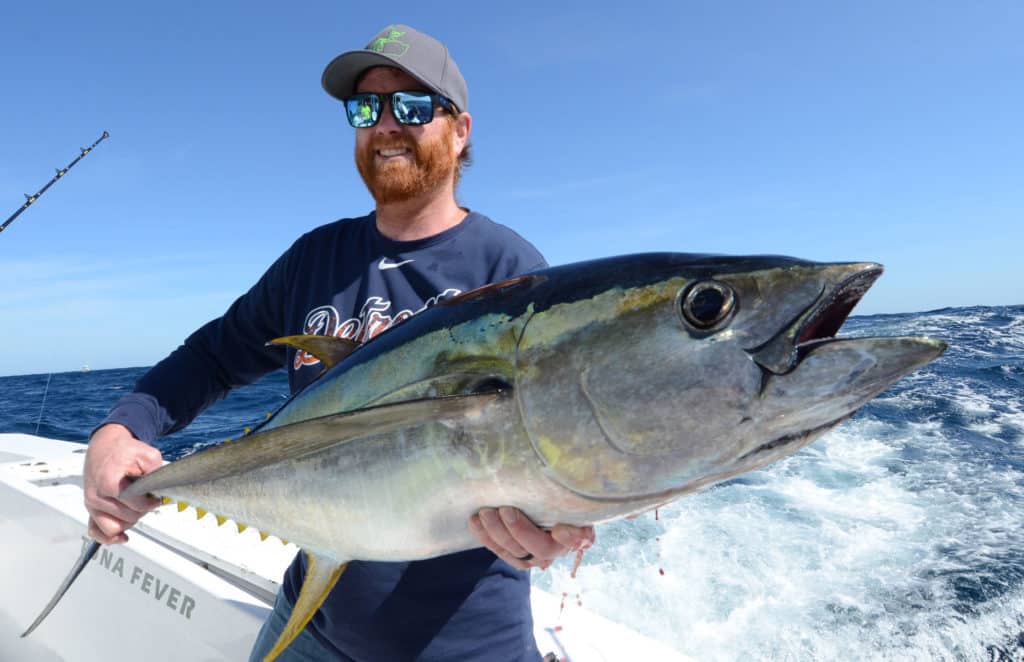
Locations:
(329, 350)
(287, 442)
(321, 576)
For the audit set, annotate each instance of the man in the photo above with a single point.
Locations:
(354, 278)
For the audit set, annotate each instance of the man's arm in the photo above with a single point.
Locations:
(225, 353)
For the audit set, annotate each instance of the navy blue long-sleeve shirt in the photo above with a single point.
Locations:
(348, 280)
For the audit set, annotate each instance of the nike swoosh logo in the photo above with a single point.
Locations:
(385, 264)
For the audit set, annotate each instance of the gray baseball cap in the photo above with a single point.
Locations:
(418, 54)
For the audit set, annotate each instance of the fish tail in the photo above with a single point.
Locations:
(88, 552)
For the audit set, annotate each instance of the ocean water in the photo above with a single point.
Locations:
(899, 535)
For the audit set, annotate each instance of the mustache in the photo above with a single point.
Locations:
(391, 142)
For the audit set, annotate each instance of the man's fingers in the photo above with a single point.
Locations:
(519, 542)
(100, 537)
(110, 517)
(141, 504)
(573, 537)
(107, 530)
(113, 507)
(528, 537)
(149, 459)
(499, 533)
(478, 529)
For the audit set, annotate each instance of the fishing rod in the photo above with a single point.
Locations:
(29, 199)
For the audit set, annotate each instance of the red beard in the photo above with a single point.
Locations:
(431, 166)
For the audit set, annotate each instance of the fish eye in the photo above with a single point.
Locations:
(705, 304)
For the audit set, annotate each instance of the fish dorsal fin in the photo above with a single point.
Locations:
(329, 350)
(296, 440)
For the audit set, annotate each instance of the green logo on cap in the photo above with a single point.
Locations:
(389, 44)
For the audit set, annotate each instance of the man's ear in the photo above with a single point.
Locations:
(463, 127)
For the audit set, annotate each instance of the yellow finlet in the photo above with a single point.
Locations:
(221, 519)
(241, 527)
(245, 430)
(182, 506)
(166, 500)
(200, 513)
(263, 535)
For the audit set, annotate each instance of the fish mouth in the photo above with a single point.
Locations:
(829, 315)
(845, 285)
(813, 329)
(789, 443)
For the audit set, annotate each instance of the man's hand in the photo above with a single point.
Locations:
(114, 455)
(516, 540)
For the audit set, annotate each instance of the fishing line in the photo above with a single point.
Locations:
(43, 405)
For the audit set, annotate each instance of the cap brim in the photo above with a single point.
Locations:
(340, 75)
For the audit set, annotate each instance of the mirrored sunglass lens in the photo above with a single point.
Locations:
(363, 110)
(411, 108)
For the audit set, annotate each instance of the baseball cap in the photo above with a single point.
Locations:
(414, 52)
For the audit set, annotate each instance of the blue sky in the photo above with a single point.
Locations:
(858, 131)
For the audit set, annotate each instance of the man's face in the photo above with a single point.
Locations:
(400, 162)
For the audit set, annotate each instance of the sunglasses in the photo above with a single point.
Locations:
(408, 107)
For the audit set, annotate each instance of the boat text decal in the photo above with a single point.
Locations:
(147, 582)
